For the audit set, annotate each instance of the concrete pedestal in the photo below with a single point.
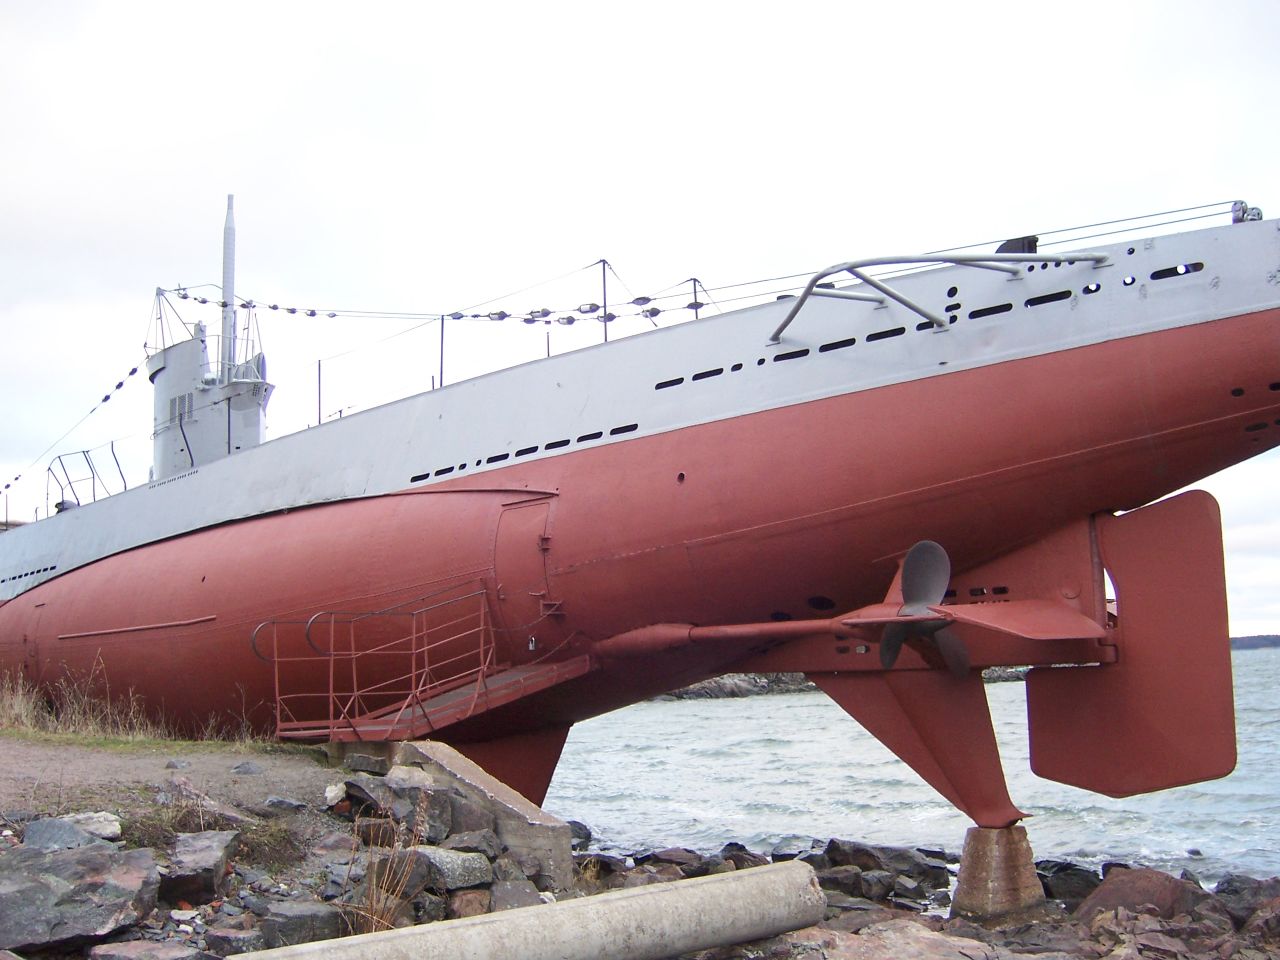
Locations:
(997, 875)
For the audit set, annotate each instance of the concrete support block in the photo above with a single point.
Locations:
(997, 875)
(530, 834)
(645, 923)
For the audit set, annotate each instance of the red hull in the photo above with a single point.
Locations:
(760, 516)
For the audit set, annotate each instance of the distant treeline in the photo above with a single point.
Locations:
(1255, 643)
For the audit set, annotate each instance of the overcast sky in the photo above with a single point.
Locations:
(427, 157)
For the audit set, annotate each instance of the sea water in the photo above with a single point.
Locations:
(764, 770)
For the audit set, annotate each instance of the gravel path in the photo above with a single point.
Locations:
(52, 777)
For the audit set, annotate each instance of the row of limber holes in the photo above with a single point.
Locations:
(951, 309)
(796, 355)
(29, 573)
(528, 451)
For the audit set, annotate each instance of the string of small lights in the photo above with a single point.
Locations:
(106, 397)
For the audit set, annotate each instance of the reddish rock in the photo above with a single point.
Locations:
(376, 831)
(468, 903)
(1265, 921)
(1133, 888)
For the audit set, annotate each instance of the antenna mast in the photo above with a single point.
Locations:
(226, 366)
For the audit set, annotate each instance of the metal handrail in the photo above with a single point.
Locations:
(986, 261)
(424, 677)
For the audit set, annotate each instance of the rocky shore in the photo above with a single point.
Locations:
(390, 845)
(733, 685)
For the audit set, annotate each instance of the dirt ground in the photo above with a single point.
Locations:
(52, 777)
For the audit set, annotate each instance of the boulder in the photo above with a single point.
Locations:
(1264, 922)
(849, 853)
(580, 833)
(248, 768)
(680, 856)
(373, 796)
(299, 921)
(198, 867)
(428, 908)
(55, 833)
(512, 894)
(366, 762)
(846, 879)
(741, 857)
(475, 841)
(406, 873)
(226, 941)
(456, 870)
(377, 831)
(73, 896)
(430, 816)
(102, 824)
(1066, 881)
(1138, 886)
(1243, 895)
(468, 903)
(877, 884)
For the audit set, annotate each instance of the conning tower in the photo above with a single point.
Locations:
(202, 412)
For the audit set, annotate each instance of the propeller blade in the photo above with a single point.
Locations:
(953, 651)
(891, 643)
(926, 571)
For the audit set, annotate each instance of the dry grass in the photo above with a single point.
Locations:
(378, 902)
(86, 709)
(84, 706)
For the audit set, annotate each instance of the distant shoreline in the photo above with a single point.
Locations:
(734, 685)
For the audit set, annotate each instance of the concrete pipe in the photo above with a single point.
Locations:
(642, 923)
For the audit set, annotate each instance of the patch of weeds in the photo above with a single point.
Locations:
(158, 825)
(272, 845)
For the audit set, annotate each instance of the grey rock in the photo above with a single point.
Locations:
(17, 816)
(907, 888)
(53, 833)
(846, 879)
(428, 908)
(101, 823)
(741, 857)
(177, 765)
(504, 868)
(475, 841)
(371, 796)
(877, 884)
(430, 815)
(580, 833)
(228, 941)
(1243, 895)
(457, 870)
(1066, 881)
(300, 921)
(366, 763)
(284, 803)
(790, 848)
(512, 894)
(73, 896)
(406, 873)
(248, 768)
(198, 867)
